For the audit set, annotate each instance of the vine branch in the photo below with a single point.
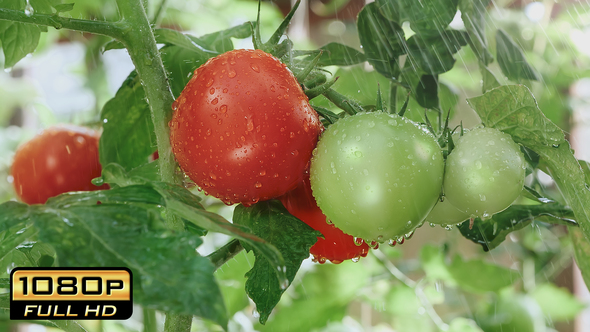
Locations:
(111, 29)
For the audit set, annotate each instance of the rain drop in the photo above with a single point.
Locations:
(258, 185)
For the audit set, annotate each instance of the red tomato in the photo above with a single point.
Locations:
(59, 160)
(336, 246)
(243, 129)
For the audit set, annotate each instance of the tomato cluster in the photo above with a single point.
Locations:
(59, 160)
(243, 131)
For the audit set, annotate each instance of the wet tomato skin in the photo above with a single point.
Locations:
(243, 129)
(484, 173)
(376, 175)
(58, 160)
(335, 246)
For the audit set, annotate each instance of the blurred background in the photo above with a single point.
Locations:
(404, 288)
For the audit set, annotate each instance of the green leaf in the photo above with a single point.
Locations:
(513, 109)
(168, 273)
(489, 79)
(428, 17)
(390, 9)
(423, 88)
(383, 41)
(128, 132)
(322, 296)
(221, 42)
(177, 38)
(478, 276)
(511, 59)
(273, 223)
(434, 54)
(180, 63)
(473, 14)
(492, 232)
(558, 304)
(336, 54)
(64, 8)
(17, 40)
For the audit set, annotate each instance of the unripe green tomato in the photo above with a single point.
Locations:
(376, 175)
(484, 173)
(444, 213)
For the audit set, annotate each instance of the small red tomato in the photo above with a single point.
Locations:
(243, 129)
(336, 246)
(59, 160)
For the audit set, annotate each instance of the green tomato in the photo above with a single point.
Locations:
(444, 213)
(376, 175)
(484, 173)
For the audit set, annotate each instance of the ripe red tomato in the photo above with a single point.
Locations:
(59, 160)
(243, 129)
(336, 246)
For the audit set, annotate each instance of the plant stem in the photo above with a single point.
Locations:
(225, 253)
(111, 29)
(178, 323)
(149, 320)
(140, 42)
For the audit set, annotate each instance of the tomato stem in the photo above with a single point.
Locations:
(225, 253)
(111, 29)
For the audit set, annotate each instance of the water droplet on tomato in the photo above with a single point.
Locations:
(214, 101)
(392, 242)
(231, 74)
(209, 83)
(255, 67)
(358, 154)
(321, 260)
(262, 173)
(250, 125)
(258, 185)
(356, 259)
(358, 241)
(291, 134)
(295, 153)
(478, 164)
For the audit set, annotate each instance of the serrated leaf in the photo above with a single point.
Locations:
(168, 274)
(473, 15)
(336, 54)
(558, 304)
(128, 132)
(478, 276)
(434, 54)
(383, 41)
(272, 222)
(492, 232)
(513, 109)
(511, 59)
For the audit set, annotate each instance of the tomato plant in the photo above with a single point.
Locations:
(58, 160)
(376, 175)
(335, 246)
(485, 172)
(243, 129)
